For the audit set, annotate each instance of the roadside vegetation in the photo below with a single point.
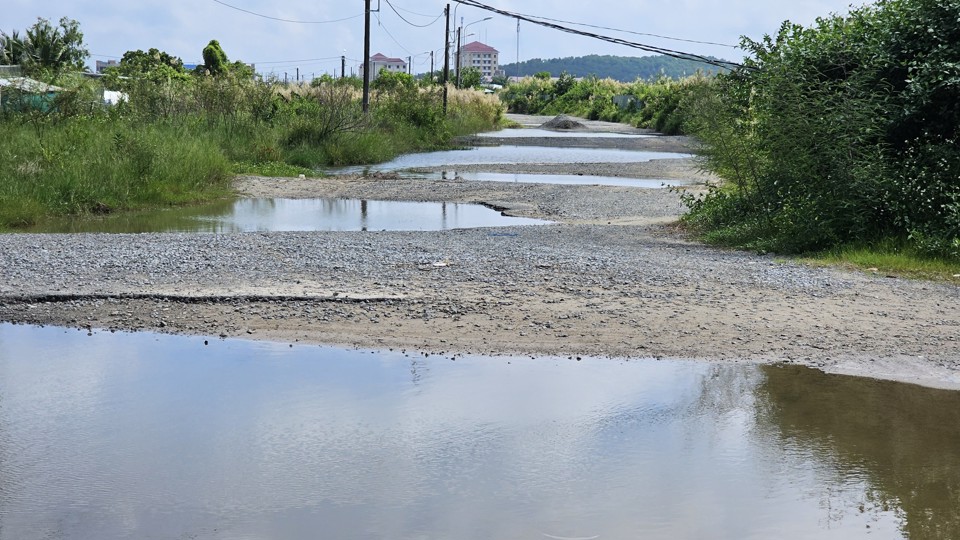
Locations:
(653, 104)
(840, 138)
(179, 136)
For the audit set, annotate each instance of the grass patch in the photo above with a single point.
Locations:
(890, 258)
(273, 169)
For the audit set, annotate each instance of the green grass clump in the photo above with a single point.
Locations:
(890, 257)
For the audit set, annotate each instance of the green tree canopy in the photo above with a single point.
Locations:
(154, 65)
(214, 59)
(45, 47)
(470, 77)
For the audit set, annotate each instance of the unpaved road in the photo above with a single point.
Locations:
(610, 278)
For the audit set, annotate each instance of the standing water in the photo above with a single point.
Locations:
(149, 436)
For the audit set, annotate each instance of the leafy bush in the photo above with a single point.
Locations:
(844, 132)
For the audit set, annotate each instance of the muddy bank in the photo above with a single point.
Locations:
(611, 277)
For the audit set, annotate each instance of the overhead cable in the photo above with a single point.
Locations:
(391, 35)
(618, 41)
(632, 32)
(404, 19)
(286, 20)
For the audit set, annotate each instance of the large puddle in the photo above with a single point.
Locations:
(562, 179)
(551, 134)
(275, 215)
(146, 436)
(508, 154)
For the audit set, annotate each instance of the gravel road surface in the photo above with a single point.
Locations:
(611, 277)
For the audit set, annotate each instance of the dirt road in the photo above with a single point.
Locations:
(610, 278)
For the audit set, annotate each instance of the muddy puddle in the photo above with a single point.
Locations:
(279, 215)
(150, 436)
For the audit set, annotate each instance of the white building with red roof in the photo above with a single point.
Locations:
(480, 56)
(380, 61)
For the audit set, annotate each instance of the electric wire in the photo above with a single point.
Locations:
(380, 22)
(417, 13)
(618, 41)
(285, 20)
(295, 61)
(404, 19)
(632, 32)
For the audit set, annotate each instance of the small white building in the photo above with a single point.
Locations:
(380, 61)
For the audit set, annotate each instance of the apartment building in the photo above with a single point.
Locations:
(380, 61)
(480, 56)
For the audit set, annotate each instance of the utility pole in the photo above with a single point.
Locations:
(343, 66)
(298, 75)
(518, 48)
(458, 55)
(366, 59)
(409, 65)
(431, 67)
(446, 60)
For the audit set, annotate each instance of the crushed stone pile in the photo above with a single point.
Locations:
(563, 122)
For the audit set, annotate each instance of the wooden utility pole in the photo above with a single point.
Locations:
(366, 59)
(431, 67)
(446, 59)
(343, 66)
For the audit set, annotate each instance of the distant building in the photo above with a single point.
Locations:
(379, 61)
(483, 57)
(101, 66)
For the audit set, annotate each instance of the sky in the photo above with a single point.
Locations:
(314, 45)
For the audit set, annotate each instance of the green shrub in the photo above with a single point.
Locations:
(844, 132)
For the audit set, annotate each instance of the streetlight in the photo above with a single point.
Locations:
(459, 31)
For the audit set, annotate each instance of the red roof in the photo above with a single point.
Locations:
(381, 58)
(477, 47)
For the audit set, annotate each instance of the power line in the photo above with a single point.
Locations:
(295, 61)
(410, 23)
(379, 22)
(285, 20)
(632, 32)
(618, 41)
(416, 13)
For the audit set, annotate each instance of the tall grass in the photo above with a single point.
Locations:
(180, 141)
(84, 166)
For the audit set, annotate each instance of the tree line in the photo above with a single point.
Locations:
(619, 68)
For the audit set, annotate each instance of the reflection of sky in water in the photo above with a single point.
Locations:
(546, 133)
(486, 155)
(566, 179)
(279, 215)
(121, 435)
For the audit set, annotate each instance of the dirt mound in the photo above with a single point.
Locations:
(563, 122)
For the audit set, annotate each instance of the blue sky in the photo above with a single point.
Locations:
(183, 27)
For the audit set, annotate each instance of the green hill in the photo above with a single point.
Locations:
(621, 68)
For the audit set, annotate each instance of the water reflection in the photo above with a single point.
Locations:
(486, 155)
(547, 133)
(903, 440)
(266, 215)
(136, 435)
(565, 179)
